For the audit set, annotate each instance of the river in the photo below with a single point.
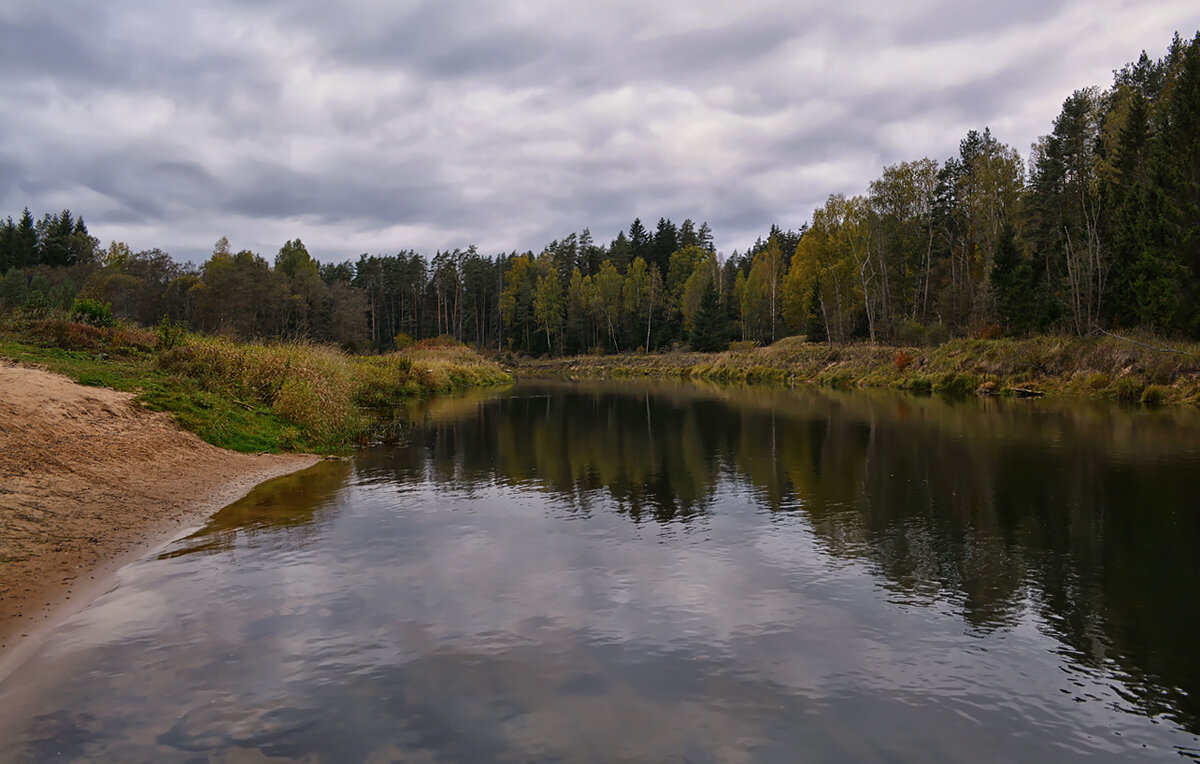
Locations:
(664, 572)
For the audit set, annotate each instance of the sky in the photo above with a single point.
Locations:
(366, 126)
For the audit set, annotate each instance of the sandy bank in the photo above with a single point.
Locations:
(89, 480)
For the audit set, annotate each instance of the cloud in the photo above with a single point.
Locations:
(362, 127)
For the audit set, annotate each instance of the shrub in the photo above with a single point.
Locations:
(936, 334)
(1096, 380)
(1129, 389)
(91, 311)
(921, 385)
(911, 333)
(989, 332)
(903, 360)
(1154, 396)
(69, 335)
(123, 338)
(169, 333)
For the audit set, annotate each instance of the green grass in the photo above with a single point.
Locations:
(216, 418)
(246, 396)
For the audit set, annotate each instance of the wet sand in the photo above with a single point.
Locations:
(90, 481)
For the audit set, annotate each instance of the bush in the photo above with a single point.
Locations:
(903, 360)
(1154, 396)
(989, 332)
(169, 333)
(94, 312)
(1129, 389)
(69, 335)
(936, 334)
(123, 338)
(911, 333)
(921, 385)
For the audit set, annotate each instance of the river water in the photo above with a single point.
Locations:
(655, 572)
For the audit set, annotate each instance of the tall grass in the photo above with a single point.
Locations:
(247, 396)
(319, 390)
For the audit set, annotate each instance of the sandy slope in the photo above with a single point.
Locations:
(88, 481)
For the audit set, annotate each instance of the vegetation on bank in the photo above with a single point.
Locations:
(285, 396)
(1141, 371)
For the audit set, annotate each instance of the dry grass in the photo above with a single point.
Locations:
(1103, 367)
(321, 390)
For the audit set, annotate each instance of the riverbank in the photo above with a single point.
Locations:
(90, 480)
(1139, 370)
(247, 396)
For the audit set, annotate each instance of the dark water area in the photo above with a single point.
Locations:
(652, 572)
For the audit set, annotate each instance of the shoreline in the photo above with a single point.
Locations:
(1105, 368)
(92, 482)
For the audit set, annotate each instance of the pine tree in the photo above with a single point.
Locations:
(710, 329)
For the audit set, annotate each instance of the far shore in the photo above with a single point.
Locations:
(90, 482)
(1142, 370)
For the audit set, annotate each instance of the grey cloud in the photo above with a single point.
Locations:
(957, 20)
(150, 192)
(442, 40)
(36, 48)
(475, 123)
(402, 197)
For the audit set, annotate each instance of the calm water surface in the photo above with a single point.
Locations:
(665, 573)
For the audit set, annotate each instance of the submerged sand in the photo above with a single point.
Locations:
(88, 481)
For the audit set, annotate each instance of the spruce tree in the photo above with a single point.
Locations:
(710, 328)
(25, 249)
(8, 238)
(1012, 280)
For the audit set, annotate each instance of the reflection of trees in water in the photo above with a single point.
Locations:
(989, 510)
(656, 461)
(291, 501)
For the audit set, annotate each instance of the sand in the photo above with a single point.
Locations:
(90, 481)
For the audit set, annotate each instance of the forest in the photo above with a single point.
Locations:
(1096, 230)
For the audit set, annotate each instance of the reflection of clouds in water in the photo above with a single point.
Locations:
(137, 608)
(433, 604)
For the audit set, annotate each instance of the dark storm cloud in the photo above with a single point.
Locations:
(362, 126)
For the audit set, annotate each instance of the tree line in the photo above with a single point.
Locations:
(1098, 229)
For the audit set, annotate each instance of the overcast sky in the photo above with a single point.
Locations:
(364, 126)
